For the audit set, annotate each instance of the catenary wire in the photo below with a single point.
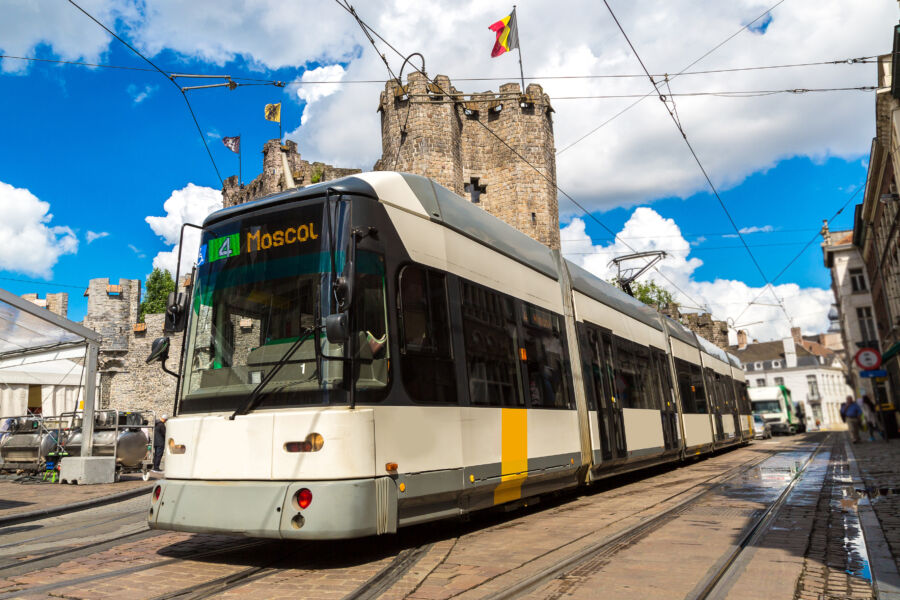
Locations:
(164, 74)
(804, 249)
(345, 5)
(840, 62)
(639, 100)
(712, 186)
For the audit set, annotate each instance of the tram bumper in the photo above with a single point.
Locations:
(269, 509)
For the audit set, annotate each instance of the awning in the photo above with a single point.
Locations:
(892, 351)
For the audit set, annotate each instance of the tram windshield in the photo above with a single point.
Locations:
(262, 284)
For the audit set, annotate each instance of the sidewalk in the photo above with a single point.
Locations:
(879, 468)
(19, 498)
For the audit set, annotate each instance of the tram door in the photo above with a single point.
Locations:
(669, 413)
(715, 385)
(611, 422)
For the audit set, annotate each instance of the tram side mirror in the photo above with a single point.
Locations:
(336, 328)
(176, 312)
(159, 350)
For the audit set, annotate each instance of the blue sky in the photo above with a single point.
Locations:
(106, 148)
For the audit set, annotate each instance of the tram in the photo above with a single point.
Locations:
(375, 352)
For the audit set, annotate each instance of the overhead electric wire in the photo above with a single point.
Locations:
(847, 61)
(638, 101)
(365, 25)
(164, 74)
(803, 250)
(712, 186)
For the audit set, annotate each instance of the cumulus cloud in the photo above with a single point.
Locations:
(647, 230)
(316, 90)
(95, 235)
(31, 244)
(190, 204)
(139, 94)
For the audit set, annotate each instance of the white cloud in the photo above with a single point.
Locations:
(190, 204)
(27, 25)
(637, 157)
(137, 251)
(313, 92)
(139, 94)
(95, 235)
(725, 298)
(30, 244)
(755, 229)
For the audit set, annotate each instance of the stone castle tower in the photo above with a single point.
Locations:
(283, 169)
(434, 130)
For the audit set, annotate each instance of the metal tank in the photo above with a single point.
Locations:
(28, 442)
(118, 434)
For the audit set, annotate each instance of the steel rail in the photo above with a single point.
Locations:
(730, 564)
(390, 574)
(614, 543)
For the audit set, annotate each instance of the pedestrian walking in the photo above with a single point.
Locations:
(873, 424)
(851, 414)
(159, 441)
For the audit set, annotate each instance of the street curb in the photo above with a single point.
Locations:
(885, 577)
(75, 507)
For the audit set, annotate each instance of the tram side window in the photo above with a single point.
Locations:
(546, 359)
(690, 386)
(490, 332)
(665, 380)
(634, 382)
(428, 372)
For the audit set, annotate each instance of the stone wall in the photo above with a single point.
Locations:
(283, 169)
(471, 141)
(706, 327)
(112, 310)
(137, 385)
(55, 303)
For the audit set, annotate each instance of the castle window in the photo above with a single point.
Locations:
(474, 190)
(533, 218)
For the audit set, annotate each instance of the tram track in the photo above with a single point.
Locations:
(611, 545)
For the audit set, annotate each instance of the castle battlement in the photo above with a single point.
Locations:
(433, 129)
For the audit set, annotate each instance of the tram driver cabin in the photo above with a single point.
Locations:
(412, 359)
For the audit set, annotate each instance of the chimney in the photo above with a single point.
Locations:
(796, 335)
(826, 234)
(742, 339)
(790, 353)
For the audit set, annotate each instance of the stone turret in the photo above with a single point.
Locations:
(55, 303)
(434, 130)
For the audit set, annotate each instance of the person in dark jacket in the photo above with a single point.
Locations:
(851, 413)
(159, 441)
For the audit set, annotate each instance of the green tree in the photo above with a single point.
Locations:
(159, 285)
(652, 294)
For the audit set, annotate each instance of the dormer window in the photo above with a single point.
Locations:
(758, 366)
(776, 364)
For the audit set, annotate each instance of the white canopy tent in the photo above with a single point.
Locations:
(53, 380)
(39, 346)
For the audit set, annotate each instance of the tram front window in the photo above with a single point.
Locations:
(257, 298)
(766, 406)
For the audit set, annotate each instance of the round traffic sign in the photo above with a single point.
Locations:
(868, 359)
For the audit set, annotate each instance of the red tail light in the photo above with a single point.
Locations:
(156, 492)
(303, 498)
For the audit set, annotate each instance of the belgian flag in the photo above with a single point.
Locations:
(507, 34)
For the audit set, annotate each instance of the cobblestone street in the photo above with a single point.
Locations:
(699, 530)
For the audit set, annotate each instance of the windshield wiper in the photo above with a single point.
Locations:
(256, 395)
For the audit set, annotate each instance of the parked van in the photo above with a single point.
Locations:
(773, 403)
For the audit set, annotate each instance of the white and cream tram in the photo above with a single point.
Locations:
(375, 351)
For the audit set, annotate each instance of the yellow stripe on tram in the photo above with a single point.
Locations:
(514, 454)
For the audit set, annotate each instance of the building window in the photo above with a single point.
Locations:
(866, 325)
(760, 383)
(813, 387)
(776, 364)
(857, 280)
(779, 381)
(474, 190)
(758, 366)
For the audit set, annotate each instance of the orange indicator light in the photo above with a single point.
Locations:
(522, 354)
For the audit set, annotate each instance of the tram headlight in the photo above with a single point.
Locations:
(303, 498)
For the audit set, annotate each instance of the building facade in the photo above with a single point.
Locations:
(813, 373)
(854, 305)
(877, 220)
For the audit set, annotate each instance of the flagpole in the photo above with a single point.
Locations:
(519, 48)
(240, 163)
